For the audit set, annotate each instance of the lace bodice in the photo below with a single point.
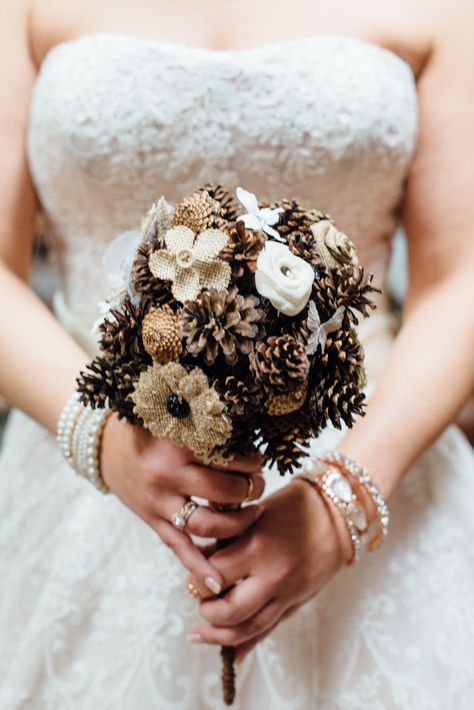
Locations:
(116, 121)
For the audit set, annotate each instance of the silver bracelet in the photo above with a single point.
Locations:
(79, 435)
(350, 466)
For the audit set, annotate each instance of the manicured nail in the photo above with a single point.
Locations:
(194, 638)
(213, 585)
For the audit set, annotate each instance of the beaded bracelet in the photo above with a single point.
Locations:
(79, 435)
(333, 485)
(348, 466)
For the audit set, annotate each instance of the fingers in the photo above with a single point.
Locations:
(191, 557)
(235, 635)
(205, 522)
(239, 604)
(218, 486)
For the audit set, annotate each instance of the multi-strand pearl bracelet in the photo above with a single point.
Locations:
(79, 435)
(331, 474)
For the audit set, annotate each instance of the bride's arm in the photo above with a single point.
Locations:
(39, 362)
(430, 372)
(292, 550)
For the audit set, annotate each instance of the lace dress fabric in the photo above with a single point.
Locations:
(93, 609)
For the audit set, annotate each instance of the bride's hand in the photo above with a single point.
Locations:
(154, 478)
(296, 546)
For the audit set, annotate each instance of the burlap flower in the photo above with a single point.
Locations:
(180, 405)
(189, 262)
(334, 247)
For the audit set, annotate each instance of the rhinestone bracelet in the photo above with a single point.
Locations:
(331, 483)
(347, 465)
(79, 434)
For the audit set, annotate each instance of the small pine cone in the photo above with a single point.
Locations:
(160, 335)
(242, 250)
(198, 212)
(226, 200)
(279, 404)
(120, 333)
(242, 396)
(287, 439)
(338, 401)
(221, 321)
(280, 363)
(294, 224)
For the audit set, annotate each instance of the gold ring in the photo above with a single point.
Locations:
(192, 591)
(180, 518)
(250, 489)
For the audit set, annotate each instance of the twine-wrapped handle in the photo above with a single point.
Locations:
(227, 652)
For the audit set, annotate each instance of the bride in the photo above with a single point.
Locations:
(366, 115)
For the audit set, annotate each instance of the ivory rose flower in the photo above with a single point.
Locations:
(283, 278)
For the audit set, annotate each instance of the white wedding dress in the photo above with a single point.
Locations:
(93, 608)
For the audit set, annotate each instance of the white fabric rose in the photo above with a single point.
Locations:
(283, 278)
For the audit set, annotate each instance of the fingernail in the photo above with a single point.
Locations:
(213, 585)
(194, 638)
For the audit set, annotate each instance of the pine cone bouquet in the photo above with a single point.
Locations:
(231, 327)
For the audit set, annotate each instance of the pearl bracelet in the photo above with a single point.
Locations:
(79, 435)
(348, 466)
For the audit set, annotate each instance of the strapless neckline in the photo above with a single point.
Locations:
(231, 52)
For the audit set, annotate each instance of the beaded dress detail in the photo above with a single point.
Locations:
(93, 607)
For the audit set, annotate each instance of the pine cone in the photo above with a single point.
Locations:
(102, 384)
(343, 351)
(227, 201)
(160, 335)
(120, 333)
(222, 321)
(198, 212)
(349, 286)
(280, 363)
(294, 224)
(242, 250)
(287, 438)
(155, 290)
(339, 400)
(242, 396)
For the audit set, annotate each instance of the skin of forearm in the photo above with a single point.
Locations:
(427, 378)
(39, 361)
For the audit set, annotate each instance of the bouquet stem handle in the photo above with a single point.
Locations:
(227, 652)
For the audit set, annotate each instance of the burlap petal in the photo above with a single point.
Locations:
(179, 238)
(214, 274)
(186, 284)
(162, 265)
(209, 243)
(150, 397)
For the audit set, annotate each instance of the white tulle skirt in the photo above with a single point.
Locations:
(94, 613)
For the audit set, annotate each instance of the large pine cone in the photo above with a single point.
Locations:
(226, 200)
(120, 333)
(336, 401)
(221, 321)
(280, 363)
(103, 384)
(348, 286)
